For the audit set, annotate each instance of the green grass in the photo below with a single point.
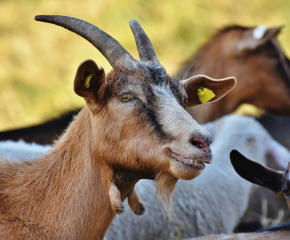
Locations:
(38, 60)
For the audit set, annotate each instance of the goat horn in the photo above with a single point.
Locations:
(108, 46)
(144, 45)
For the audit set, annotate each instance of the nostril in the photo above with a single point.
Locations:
(200, 140)
(197, 144)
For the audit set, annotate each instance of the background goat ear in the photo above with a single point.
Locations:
(220, 87)
(256, 173)
(249, 42)
(88, 80)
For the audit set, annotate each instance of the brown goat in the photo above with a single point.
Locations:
(260, 66)
(277, 181)
(134, 126)
(263, 79)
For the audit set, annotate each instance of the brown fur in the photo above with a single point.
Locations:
(133, 200)
(136, 206)
(42, 193)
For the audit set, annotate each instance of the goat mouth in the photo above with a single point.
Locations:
(197, 164)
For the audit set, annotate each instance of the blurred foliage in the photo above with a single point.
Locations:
(38, 60)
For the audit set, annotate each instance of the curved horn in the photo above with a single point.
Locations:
(145, 48)
(108, 46)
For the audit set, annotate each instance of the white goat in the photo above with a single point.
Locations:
(14, 150)
(216, 200)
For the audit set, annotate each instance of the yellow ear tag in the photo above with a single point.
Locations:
(205, 94)
(88, 79)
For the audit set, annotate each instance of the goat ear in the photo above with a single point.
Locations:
(256, 173)
(220, 87)
(255, 37)
(88, 80)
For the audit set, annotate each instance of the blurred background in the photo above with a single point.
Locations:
(38, 61)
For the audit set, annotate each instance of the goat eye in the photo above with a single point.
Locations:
(126, 98)
(286, 192)
(285, 187)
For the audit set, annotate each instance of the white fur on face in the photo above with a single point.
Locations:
(171, 115)
(177, 122)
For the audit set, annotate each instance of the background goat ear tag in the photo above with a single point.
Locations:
(259, 32)
(205, 94)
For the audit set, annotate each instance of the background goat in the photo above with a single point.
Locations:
(260, 66)
(277, 181)
(263, 79)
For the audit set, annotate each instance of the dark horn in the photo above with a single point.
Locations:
(144, 45)
(108, 46)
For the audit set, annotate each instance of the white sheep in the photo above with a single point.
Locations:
(215, 201)
(14, 150)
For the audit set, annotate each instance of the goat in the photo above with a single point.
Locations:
(207, 204)
(260, 66)
(277, 181)
(134, 126)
